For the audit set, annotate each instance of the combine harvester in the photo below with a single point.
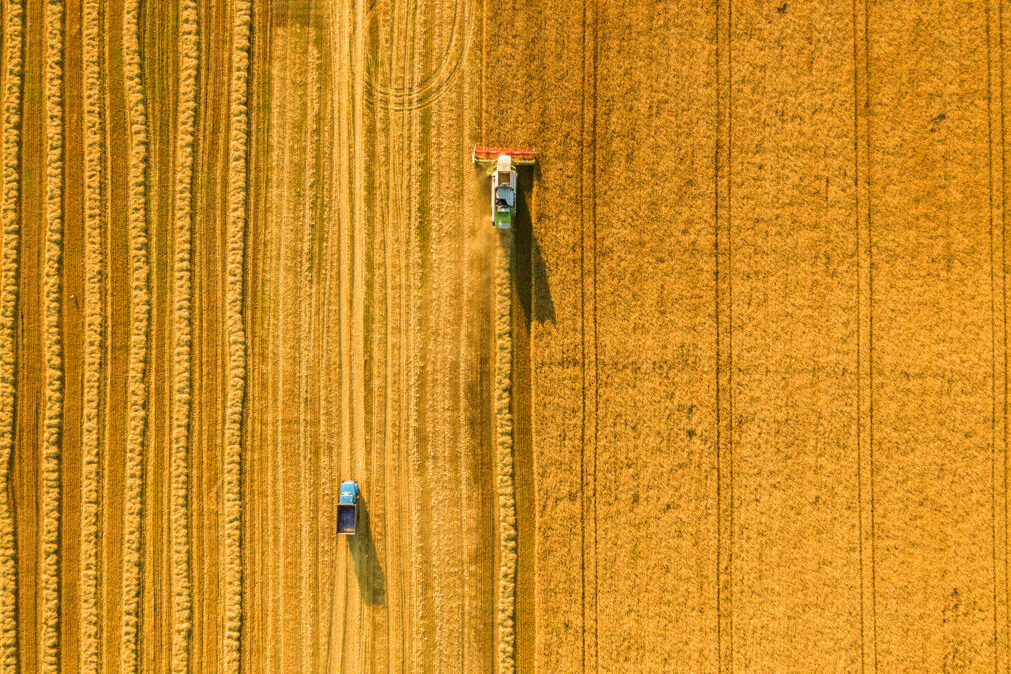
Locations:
(504, 178)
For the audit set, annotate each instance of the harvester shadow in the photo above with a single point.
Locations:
(529, 273)
(368, 570)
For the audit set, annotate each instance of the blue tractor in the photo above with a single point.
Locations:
(347, 508)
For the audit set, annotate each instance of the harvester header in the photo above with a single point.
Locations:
(521, 156)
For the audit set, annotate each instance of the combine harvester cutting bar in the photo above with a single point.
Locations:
(520, 156)
(503, 178)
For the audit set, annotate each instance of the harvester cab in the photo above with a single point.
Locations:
(504, 179)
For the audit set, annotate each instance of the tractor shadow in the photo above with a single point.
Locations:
(368, 570)
(530, 276)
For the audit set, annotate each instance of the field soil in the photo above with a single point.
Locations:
(731, 395)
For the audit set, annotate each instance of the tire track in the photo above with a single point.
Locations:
(325, 384)
(440, 288)
(353, 315)
(390, 648)
(341, 80)
(53, 341)
(256, 522)
(287, 349)
(416, 416)
(461, 444)
(475, 398)
(210, 339)
(280, 153)
(94, 337)
(322, 386)
(405, 394)
(359, 650)
(454, 617)
(588, 328)
(998, 364)
(182, 337)
(140, 317)
(13, 38)
(236, 377)
(407, 381)
(396, 484)
(307, 310)
(336, 54)
(437, 373)
(273, 256)
(313, 276)
(73, 280)
(382, 345)
(864, 362)
(723, 310)
(422, 92)
(160, 48)
(504, 472)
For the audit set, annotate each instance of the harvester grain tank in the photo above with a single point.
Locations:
(347, 508)
(504, 179)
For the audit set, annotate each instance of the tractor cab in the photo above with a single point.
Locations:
(347, 508)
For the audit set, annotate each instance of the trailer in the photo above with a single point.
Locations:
(504, 178)
(347, 508)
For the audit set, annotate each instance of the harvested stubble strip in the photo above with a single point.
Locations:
(182, 335)
(238, 129)
(94, 332)
(140, 314)
(505, 470)
(52, 335)
(13, 43)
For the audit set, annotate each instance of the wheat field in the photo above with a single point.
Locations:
(730, 396)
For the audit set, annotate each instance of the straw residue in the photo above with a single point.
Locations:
(140, 316)
(13, 44)
(505, 471)
(182, 335)
(235, 330)
(52, 287)
(94, 336)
